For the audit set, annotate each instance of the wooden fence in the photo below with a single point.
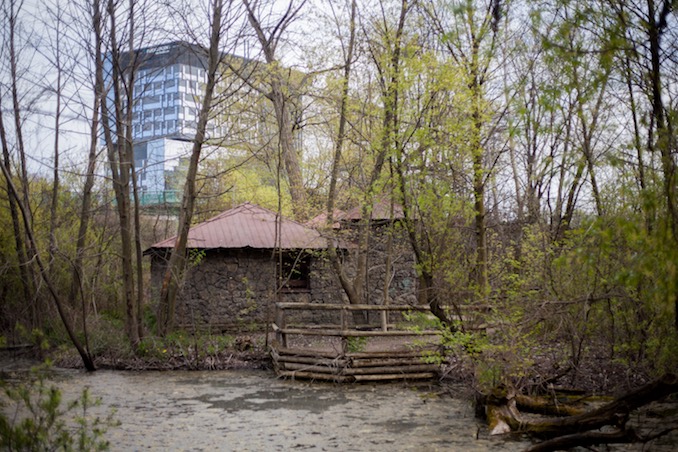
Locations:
(346, 350)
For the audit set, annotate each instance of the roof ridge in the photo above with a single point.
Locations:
(226, 213)
(249, 225)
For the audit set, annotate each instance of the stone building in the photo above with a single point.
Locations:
(391, 264)
(240, 263)
(247, 258)
(390, 274)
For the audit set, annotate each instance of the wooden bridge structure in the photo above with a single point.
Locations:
(348, 350)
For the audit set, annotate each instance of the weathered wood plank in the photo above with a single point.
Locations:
(390, 370)
(387, 354)
(334, 370)
(381, 354)
(386, 362)
(348, 307)
(354, 333)
(338, 326)
(312, 360)
(386, 377)
(314, 376)
(289, 351)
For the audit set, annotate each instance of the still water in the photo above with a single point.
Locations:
(254, 411)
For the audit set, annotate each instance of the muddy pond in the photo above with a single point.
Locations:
(254, 411)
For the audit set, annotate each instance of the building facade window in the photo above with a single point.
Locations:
(295, 271)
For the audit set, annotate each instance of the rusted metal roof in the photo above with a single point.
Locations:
(320, 220)
(249, 226)
(381, 210)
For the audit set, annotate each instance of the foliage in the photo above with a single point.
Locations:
(33, 417)
(617, 281)
(229, 179)
(106, 337)
(543, 128)
(190, 348)
(356, 344)
(243, 316)
(492, 357)
(195, 256)
(36, 337)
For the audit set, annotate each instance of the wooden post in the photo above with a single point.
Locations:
(344, 328)
(281, 336)
(346, 364)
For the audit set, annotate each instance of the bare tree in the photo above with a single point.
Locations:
(117, 127)
(281, 92)
(221, 19)
(348, 49)
(383, 38)
(20, 196)
(93, 12)
(650, 36)
(13, 51)
(470, 37)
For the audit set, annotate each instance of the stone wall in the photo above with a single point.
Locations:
(403, 280)
(403, 283)
(235, 290)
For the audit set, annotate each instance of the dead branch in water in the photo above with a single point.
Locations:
(575, 428)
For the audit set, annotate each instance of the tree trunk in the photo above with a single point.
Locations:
(281, 99)
(479, 177)
(76, 288)
(119, 150)
(586, 439)
(341, 135)
(84, 354)
(665, 137)
(137, 307)
(177, 262)
(288, 149)
(54, 205)
(19, 244)
(36, 320)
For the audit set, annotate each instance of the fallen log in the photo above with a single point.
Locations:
(586, 439)
(497, 416)
(502, 409)
(615, 413)
(547, 406)
(578, 430)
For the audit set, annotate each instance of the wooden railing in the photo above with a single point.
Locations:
(403, 361)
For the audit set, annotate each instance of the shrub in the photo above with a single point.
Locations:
(33, 417)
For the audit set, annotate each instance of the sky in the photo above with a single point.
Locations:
(37, 40)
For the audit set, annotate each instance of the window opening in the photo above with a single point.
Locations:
(295, 271)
